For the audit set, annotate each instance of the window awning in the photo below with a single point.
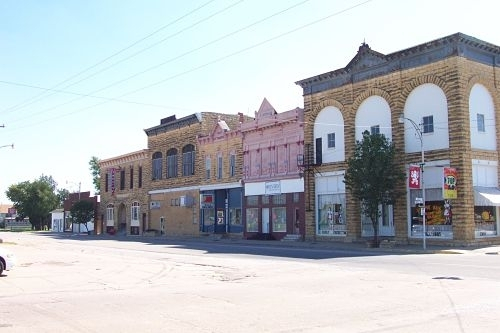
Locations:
(486, 196)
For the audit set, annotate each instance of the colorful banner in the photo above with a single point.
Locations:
(449, 183)
(414, 177)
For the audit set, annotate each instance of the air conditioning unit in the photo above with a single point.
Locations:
(154, 205)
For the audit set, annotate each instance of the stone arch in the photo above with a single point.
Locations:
(371, 92)
(482, 80)
(327, 102)
(420, 80)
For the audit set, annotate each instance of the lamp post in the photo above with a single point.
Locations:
(418, 130)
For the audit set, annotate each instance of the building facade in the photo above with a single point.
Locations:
(446, 93)
(124, 206)
(178, 171)
(273, 183)
(221, 189)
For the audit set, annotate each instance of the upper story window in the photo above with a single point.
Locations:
(157, 166)
(140, 177)
(188, 160)
(375, 129)
(480, 123)
(232, 165)
(172, 163)
(219, 167)
(106, 182)
(331, 140)
(428, 124)
(122, 179)
(131, 177)
(208, 166)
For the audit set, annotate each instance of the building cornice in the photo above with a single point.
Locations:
(368, 64)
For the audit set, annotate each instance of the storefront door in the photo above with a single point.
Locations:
(265, 220)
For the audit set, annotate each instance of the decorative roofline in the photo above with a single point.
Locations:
(126, 158)
(458, 44)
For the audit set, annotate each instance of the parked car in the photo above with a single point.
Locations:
(7, 260)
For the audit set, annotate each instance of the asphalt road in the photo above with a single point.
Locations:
(91, 284)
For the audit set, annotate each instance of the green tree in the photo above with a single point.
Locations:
(34, 200)
(96, 173)
(62, 194)
(374, 176)
(82, 212)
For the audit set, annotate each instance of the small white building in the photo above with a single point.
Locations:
(57, 224)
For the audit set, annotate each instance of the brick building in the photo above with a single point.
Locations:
(124, 205)
(221, 190)
(274, 187)
(446, 90)
(177, 170)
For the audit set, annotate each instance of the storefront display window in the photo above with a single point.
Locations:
(208, 220)
(252, 219)
(331, 215)
(485, 218)
(252, 200)
(438, 215)
(235, 216)
(279, 219)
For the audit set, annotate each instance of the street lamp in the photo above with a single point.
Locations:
(418, 130)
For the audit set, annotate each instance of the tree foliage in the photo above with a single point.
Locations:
(374, 176)
(34, 200)
(82, 212)
(96, 173)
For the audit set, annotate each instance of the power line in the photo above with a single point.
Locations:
(40, 96)
(245, 49)
(91, 94)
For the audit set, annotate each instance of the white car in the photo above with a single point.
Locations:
(7, 260)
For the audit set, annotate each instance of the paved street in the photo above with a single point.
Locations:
(66, 283)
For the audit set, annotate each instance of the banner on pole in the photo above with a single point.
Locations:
(414, 177)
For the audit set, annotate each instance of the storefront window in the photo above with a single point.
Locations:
(438, 215)
(485, 218)
(252, 219)
(279, 199)
(265, 200)
(208, 220)
(235, 216)
(331, 215)
(252, 200)
(279, 219)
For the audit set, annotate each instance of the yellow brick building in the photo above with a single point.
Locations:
(446, 91)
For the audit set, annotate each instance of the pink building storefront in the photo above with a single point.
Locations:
(273, 203)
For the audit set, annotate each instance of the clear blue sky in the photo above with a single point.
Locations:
(84, 78)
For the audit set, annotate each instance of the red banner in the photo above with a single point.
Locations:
(414, 177)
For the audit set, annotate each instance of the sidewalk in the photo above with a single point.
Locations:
(333, 245)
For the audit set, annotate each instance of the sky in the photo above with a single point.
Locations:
(85, 78)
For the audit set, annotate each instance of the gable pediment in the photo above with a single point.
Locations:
(365, 58)
(266, 110)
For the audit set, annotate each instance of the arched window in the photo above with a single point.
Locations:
(172, 163)
(188, 160)
(157, 166)
(110, 212)
(134, 213)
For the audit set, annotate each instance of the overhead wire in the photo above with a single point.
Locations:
(245, 49)
(39, 97)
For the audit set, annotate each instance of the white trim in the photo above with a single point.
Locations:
(177, 189)
(220, 186)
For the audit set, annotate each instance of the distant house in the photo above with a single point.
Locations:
(57, 220)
